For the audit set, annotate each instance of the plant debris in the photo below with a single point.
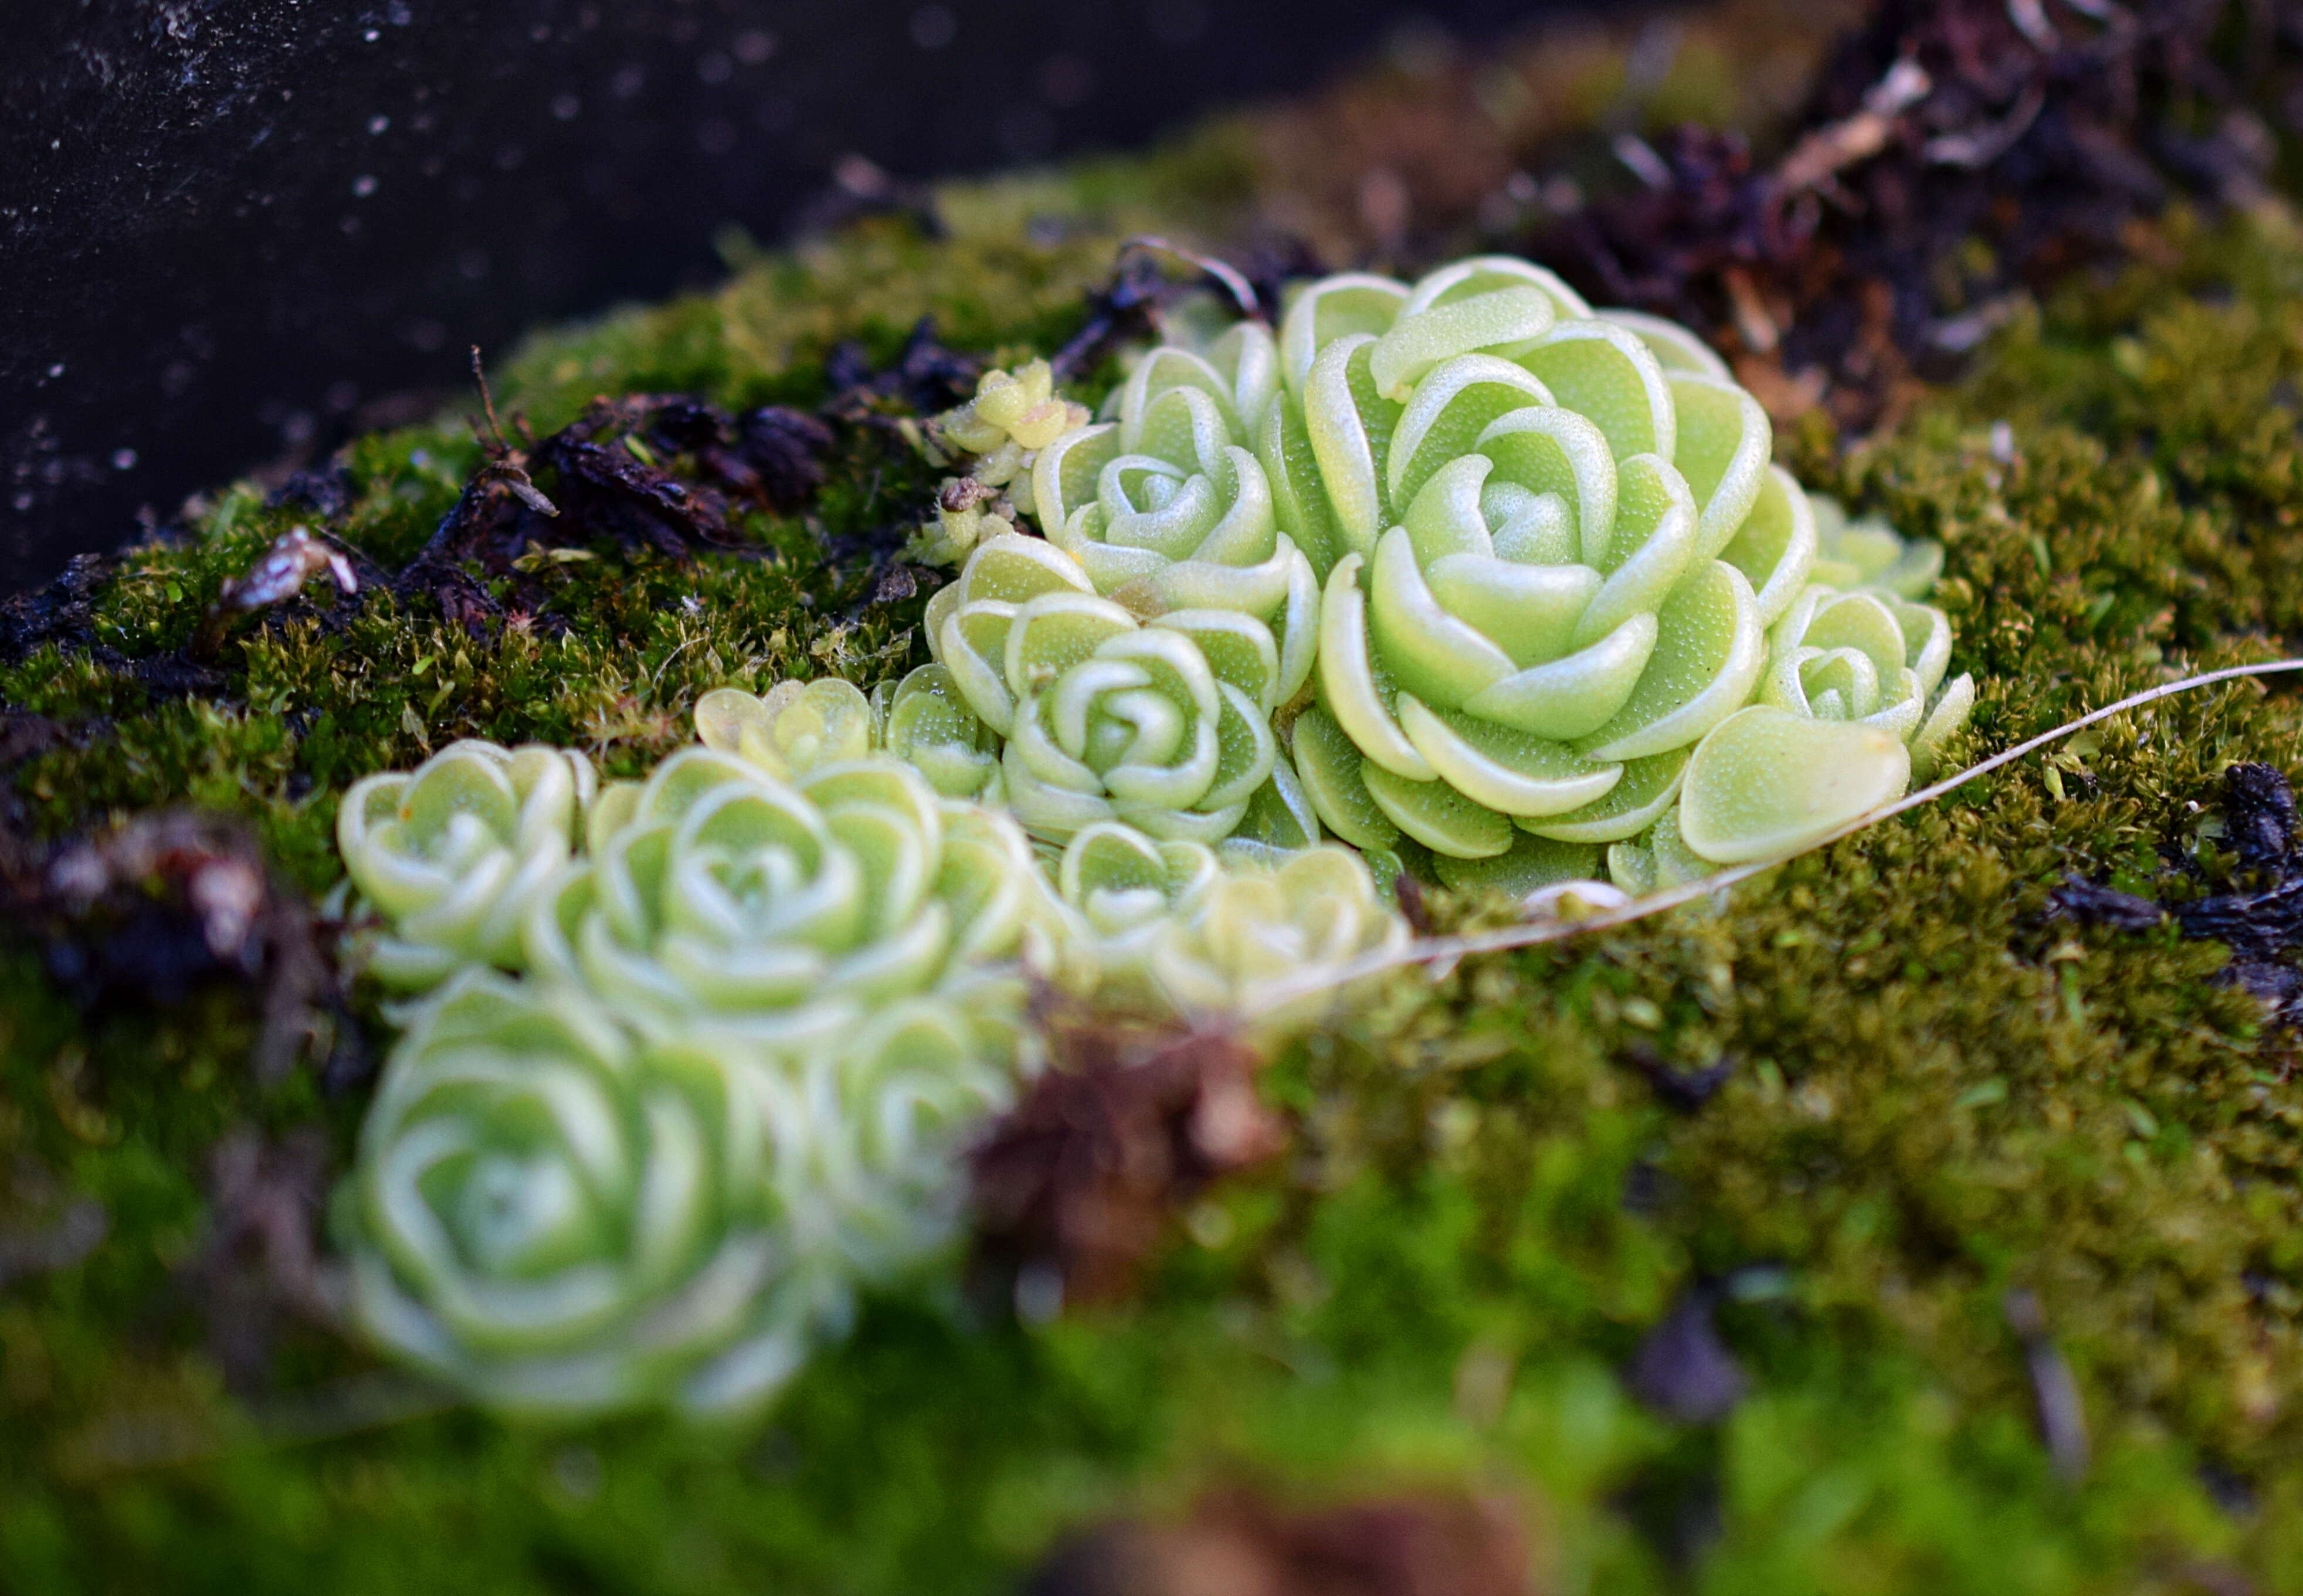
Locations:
(1075, 1184)
(2063, 1418)
(1682, 1370)
(1684, 1091)
(1239, 1543)
(262, 1267)
(2261, 923)
(923, 379)
(1953, 153)
(295, 557)
(172, 900)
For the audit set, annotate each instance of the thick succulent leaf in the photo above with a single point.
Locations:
(1605, 373)
(1726, 449)
(1708, 654)
(1354, 686)
(1502, 321)
(1501, 768)
(1775, 548)
(1450, 409)
(1348, 304)
(1648, 789)
(1529, 863)
(1436, 815)
(1328, 764)
(1674, 348)
(1767, 781)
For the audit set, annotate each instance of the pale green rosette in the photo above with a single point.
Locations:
(1167, 507)
(792, 727)
(783, 909)
(1119, 888)
(873, 1172)
(1851, 708)
(453, 853)
(925, 721)
(1553, 543)
(556, 1218)
(1167, 726)
(1868, 554)
(1227, 955)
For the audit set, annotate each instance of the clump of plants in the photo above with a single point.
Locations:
(1459, 579)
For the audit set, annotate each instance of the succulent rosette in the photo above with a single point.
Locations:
(1167, 507)
(557, 1217)
(1165, 726)
(783, 908)
(1552, 542)
(926, 722)
(453, 853)
(792, 727)
(1117, 888)
(875, 1178)
(1869, 553)
(1225, 953)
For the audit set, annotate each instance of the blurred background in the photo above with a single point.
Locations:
(234, 231)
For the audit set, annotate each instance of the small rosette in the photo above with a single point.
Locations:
(453, 853)
(1168, 508)
(1227, 953)
(556, 1218)
(1853, 706)
(1167, 726)
(783, 908)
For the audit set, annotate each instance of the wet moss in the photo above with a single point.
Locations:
(1939, 1092)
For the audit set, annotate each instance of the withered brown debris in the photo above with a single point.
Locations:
(1238, 1543)
(262, 1268)
(2041, 131)
(1075, 1185)
(656, 471)
(923, 379)
(170, 900)
(2261, 922)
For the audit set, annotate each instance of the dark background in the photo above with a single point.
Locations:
(229, 227)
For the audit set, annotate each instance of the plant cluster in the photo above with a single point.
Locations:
(1466, 574)
(1473, 578)
(698, 1055)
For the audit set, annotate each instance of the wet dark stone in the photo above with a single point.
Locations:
(235, 233)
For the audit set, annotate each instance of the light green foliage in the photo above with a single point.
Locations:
(1939, 1092)
(1166, 508)
(1215, 935)
(785, 909)
(1165, 726)
(558, 1218)
(456, 852)
(760, 1020)
(1258, 927)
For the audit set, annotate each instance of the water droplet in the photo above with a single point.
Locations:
(756, 45)
(56, 371)
(566, 107)
(714, 68)
(363, 186)
(376, 124)
(373, 34)
(124, 460)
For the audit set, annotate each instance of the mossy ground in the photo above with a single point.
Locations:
(1939, 1094)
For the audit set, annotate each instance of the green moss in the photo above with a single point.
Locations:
(1940, 1093)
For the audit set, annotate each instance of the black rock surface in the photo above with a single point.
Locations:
(229, 231)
